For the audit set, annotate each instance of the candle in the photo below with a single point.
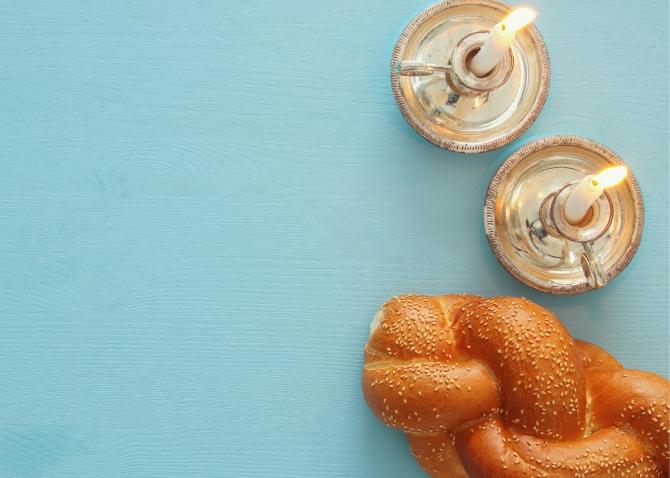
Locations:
(588, 190)
(500, 39)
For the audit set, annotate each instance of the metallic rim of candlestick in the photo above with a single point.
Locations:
(446, 143)
(521, 154)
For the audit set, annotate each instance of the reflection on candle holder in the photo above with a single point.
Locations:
(527, 227)
(459, 77)
(444, 100)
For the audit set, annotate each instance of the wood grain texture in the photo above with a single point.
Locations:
(204, 202)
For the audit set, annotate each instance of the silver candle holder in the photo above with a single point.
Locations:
(525, 222)
(444, 101)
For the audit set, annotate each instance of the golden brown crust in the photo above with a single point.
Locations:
(485, 453)
(535, 360)
(634, 400)
(491, 450)
(426, 397)
(596, 357)
(499, 388)
(437, 454)
(413, 326)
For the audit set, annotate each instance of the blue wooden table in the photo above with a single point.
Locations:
(204, 203)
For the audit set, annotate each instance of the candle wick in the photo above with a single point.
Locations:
(503, 27)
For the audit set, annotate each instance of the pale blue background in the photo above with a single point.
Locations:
(204, 203)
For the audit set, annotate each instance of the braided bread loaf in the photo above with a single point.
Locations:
(497, 388)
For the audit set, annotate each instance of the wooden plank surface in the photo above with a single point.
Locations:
(204, 202)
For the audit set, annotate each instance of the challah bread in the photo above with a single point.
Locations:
(497, 388)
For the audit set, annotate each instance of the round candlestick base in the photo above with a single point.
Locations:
(529, 234)
(448, 104)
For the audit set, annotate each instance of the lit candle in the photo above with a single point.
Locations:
(500, 39)
(588, 190)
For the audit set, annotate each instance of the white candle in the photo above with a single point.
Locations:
(589, 190)
(500, 39)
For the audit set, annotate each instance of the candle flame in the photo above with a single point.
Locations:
(611, 176)
(518, 19)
